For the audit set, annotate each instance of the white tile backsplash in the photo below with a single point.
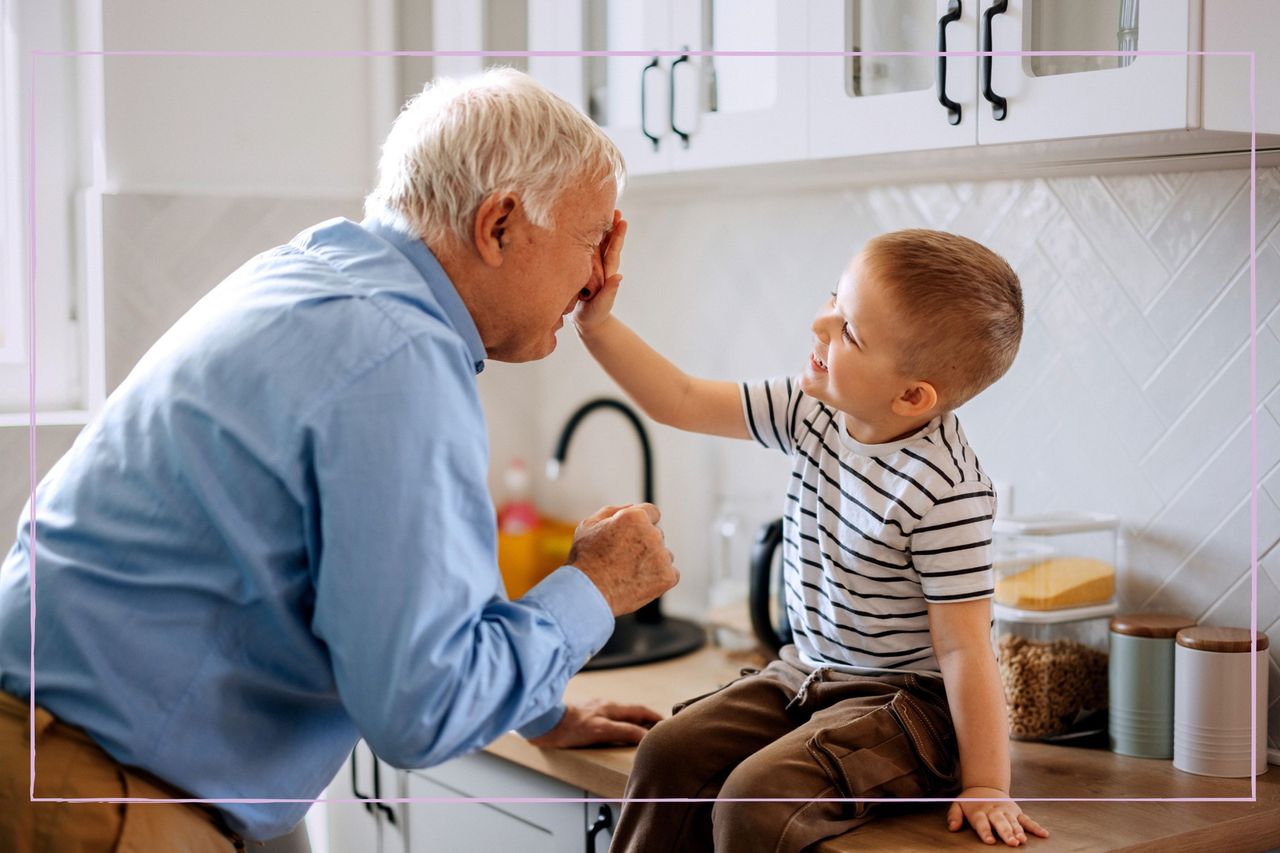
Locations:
(1130, 393)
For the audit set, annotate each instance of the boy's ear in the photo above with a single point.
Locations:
(492, 232)
(919, 398)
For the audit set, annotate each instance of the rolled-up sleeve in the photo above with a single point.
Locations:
(430, 658)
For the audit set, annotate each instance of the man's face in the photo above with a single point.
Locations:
(857, 336)
(550, 267)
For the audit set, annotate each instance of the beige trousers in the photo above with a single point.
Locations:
(70, 765)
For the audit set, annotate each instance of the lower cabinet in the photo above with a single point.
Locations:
(528, 827)
(461, 827)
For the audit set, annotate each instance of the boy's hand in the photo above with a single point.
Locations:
(593, 308)
(990, 819)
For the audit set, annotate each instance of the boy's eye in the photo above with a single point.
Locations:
(848, 335)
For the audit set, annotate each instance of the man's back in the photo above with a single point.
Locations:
(194, 627)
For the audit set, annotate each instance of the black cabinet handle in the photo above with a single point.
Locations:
(653, 63)
(999, 106)
(671, 103)
(355, 785)
(377, 792)
(953, 109)
(603, 821)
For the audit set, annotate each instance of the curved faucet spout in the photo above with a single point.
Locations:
(562, 444)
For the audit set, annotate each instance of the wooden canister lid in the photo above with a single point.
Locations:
(1205, 638)
(1159, 625)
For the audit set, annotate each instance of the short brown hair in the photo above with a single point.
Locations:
(962, 305)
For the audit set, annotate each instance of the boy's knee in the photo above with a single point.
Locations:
(664, 756)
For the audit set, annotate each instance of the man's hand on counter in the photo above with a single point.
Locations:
(599, 723)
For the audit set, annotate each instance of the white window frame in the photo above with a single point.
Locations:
(67, 302)
(13, 333)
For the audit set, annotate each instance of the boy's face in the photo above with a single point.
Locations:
(853, 366)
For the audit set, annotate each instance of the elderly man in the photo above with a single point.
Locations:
(277, 537)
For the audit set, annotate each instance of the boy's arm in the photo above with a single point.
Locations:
(961, 634)
(665, 392)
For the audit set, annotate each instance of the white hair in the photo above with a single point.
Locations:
(458, 141)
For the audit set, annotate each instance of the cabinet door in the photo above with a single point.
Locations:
(483, 827)
(1060, 97)
(493, 25)
(609, 88)
(353, 826)
(736, 110)
(877, 104)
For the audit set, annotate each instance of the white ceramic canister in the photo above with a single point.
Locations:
(1213, 717)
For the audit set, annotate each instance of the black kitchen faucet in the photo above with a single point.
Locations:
(646, 635)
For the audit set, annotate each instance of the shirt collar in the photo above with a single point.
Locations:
(396, 230)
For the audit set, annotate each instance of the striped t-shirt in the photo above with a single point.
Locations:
(873, 532)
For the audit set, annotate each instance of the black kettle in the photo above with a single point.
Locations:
(767, 593)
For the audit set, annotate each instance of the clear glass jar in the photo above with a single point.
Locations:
(1054, 562)
(1053, 667)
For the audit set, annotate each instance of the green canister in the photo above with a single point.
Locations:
(1140, 679)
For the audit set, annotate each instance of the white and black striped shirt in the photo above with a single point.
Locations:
(873, 532)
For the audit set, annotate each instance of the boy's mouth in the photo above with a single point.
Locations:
(817, 363)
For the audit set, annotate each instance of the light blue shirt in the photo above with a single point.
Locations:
(277, 538)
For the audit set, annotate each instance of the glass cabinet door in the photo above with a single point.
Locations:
(735, 110)
(1063, 96)
(875, 103)
(626, 95)
(500, 25)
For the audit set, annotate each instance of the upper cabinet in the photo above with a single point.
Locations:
(883, 100)
(697, 84)
(1052, 94)
(666, 103)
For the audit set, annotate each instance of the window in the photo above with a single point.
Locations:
(59, 237)
(12, 250)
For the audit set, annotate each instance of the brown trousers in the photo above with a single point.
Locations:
(787, 732)
(70, 765)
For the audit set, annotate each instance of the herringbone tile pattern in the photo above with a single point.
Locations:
(1131, 393)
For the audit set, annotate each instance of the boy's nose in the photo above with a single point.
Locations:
(820, 324)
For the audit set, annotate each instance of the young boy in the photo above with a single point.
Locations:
(890, 688)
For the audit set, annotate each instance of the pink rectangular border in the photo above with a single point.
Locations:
(1253, 392)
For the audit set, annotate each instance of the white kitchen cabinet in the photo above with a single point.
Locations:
(372, 827)
(878, 104)
(737, 110)
(1172, 104)
(482, 827)
(681, 111)
(628, 95)
(1031, 98)
(479, 25)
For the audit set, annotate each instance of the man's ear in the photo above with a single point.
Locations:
(492, 230)
(919, 398)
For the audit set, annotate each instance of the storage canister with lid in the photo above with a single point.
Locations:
(1053, 667)
(1060, 561)
(1214, 720)
(1140, 679)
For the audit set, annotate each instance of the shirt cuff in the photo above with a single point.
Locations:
(539, 726)
(578, 608)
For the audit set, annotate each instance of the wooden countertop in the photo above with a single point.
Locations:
(1039, 770)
